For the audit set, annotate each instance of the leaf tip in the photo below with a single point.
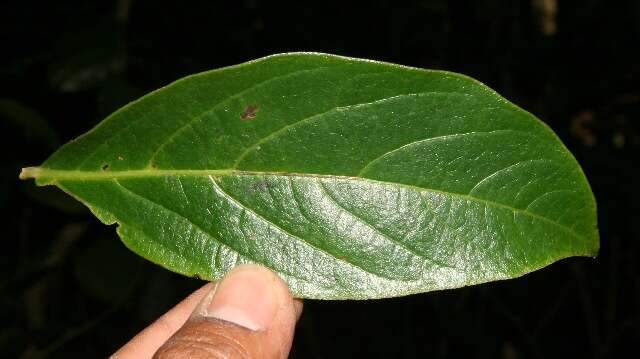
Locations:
(29, 172)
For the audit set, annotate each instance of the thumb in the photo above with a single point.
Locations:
(249, 314)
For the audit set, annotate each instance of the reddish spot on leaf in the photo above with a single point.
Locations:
(249, 112)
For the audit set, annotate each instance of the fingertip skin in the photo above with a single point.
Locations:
(206, 336)
(209, 338)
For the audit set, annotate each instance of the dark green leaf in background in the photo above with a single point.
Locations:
(350, 178)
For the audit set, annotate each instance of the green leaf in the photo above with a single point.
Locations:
(350, 178)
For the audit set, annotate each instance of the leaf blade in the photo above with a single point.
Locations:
(374, 181)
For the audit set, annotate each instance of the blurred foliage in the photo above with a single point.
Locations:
(69, 288)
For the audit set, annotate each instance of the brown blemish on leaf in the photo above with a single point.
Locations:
(249, 112)
(105, 166)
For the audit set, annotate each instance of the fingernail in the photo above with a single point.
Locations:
(247, 296)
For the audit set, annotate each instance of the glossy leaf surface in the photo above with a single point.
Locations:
(350, 178)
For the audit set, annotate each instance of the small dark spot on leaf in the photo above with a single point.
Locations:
(261, 186)
(105, 166)
(154, 165)
(249, 112)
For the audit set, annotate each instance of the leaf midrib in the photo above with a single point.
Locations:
(51, 176)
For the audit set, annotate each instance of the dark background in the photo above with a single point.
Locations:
(69, 288)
